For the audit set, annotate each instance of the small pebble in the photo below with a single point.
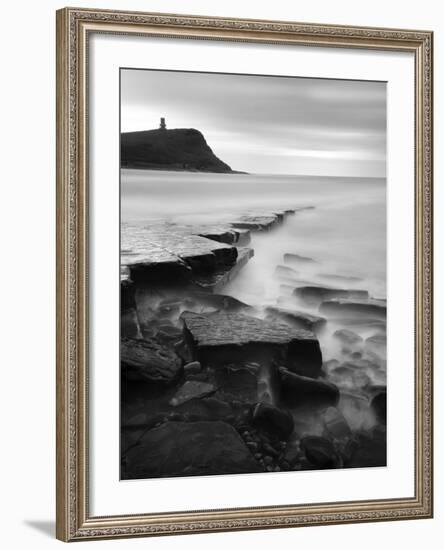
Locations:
(252, 445)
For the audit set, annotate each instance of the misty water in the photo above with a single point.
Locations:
(345, 232)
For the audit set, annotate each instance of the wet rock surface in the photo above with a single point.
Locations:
(349, 309)
(233, 337)
(192, 389)
(189, 448)
(318, 294)
(298, 319)
(148, 361)
(212, 384)
(273, 420)
(320, 452)
(300, 391)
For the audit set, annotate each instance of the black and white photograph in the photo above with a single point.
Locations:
(252, 274)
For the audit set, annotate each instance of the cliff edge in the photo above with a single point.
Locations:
(176, 149)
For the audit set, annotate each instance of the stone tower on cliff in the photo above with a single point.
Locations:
(162, 124)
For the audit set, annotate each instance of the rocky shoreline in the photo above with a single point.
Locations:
(212, 385)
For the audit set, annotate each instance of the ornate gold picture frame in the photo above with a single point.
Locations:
(74, 518)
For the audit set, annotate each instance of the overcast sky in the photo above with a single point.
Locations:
(271, 125)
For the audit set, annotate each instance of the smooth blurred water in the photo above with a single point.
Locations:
(345, 233)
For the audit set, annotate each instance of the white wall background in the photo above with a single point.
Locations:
(27, 202)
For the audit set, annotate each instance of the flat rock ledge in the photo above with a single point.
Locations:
(189, 448)
(204, 255)
(350, 309)
(221, 338)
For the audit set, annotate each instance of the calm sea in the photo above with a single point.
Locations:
(345, 233)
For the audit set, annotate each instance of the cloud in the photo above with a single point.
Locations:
(267, 124)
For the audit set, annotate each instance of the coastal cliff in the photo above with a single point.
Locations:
(176, 149)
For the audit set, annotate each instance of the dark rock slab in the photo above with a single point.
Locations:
(298, 319)
(379, 406)
(318, 294)
(199, 253)
(320, 452)
(233, 337)
(302, 391)
(215, 282)
(192, 389)
(370, 451)
(187, 449)
(336, 425)
(155, 264)
(238, 381)
(271, 419)
(352, 309)
(287, 288)
(206, 408)
(296, 259)
(149, 361)
(166, 251)
(255, 222)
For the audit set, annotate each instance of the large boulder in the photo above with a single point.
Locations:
(223, 338)
(317, 294)
(187, 449)
(320, 452)
(302, 391)
(273, 420)
(379, 406)
(148, 361)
